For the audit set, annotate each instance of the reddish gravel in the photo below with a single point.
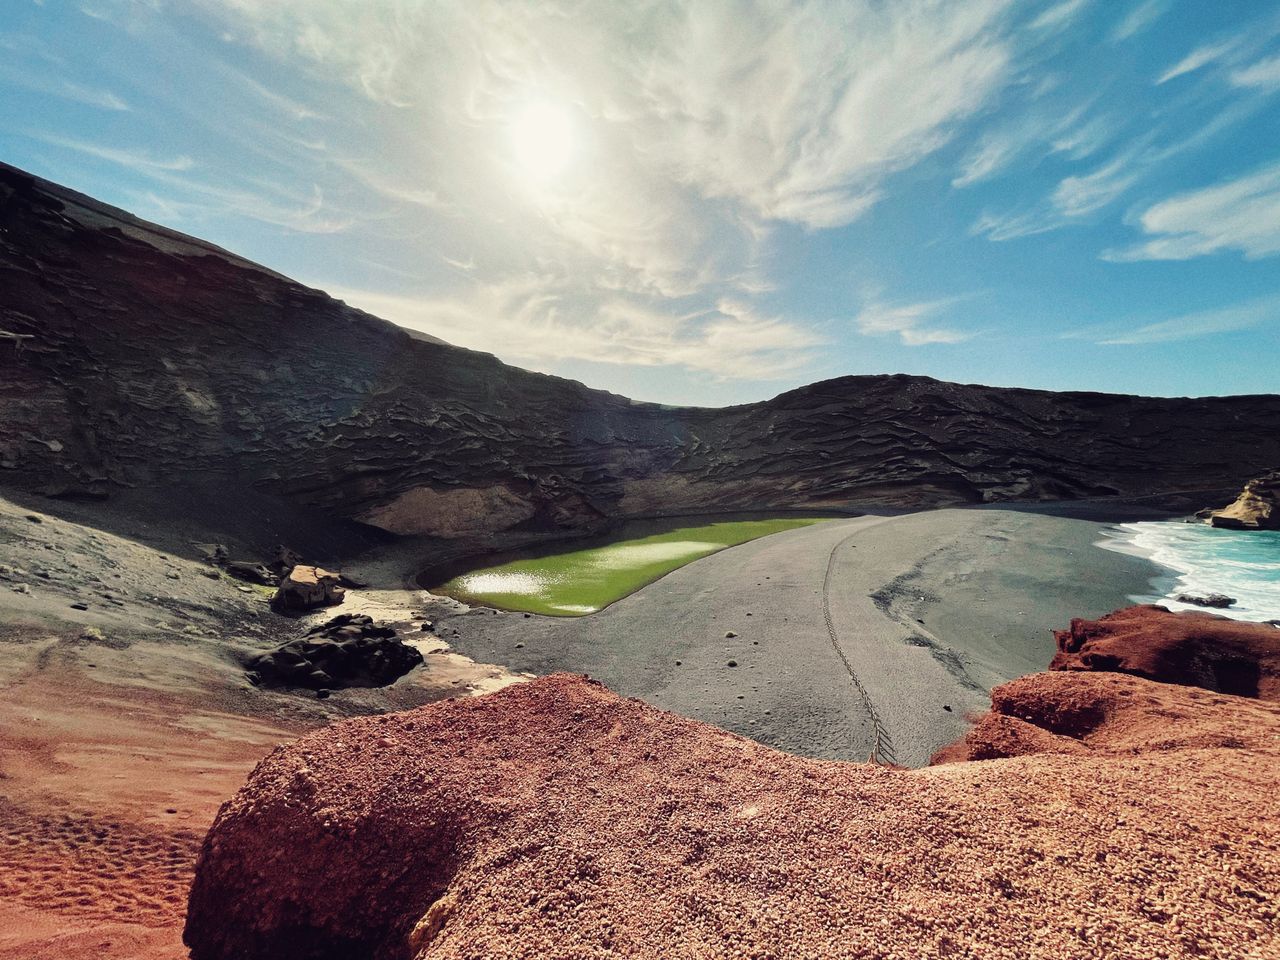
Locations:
(1192, 648)
(556, 819)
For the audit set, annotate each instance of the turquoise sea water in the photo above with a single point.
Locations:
(1202, 560)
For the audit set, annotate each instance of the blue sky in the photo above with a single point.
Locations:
(708, 202)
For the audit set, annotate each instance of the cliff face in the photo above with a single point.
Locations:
(1257, 507)
(132, 355)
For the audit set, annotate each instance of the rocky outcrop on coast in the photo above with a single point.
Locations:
(1257, 507)
(556, 818)
(131, 355)
(1196, 649)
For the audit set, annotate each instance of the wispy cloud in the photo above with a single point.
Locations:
(1198, 58)
(1192, 326)
(700, 131)
(1074, 198)
(1085, 194)
(1138, 19)
(543, 320)
(1265, 75)
(138, 160)
(300, 212)
(908, 322)
(62, 88)
(1242, 214)
(1039, 132)
(1059, 15)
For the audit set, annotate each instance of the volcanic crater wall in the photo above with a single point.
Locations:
(133, 355)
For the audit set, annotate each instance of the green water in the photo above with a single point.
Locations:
(579, 580)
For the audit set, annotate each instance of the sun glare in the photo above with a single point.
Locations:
(542, 139)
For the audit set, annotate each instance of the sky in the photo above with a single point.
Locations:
(708, 202)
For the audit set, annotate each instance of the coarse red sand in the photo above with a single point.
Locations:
(556, 819)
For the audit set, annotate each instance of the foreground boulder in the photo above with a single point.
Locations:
(1197, 649)
(306, 588)
(557, 819)
(348, 651)
(1257, 507)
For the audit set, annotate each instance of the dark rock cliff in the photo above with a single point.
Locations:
(131, 355)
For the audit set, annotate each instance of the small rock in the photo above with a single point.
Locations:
(211, 574)
(1217, 601)
(79, 606)
(679, 663)
(946, 707)
(519, 646)
(22, 588)
(732, 663)
(173, 575)
(35, 518)
(729, 635)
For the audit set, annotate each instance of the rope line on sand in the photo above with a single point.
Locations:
(882, 746)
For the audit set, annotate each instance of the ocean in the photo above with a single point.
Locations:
(1201, 560)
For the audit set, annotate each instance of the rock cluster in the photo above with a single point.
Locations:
(1197, 649)
(1257, 507)
(348, 651)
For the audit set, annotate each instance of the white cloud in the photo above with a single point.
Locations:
(140, 161)
(1040, 132)
(1088, 193)
(1001, 227)
(542, 320)
(1138, 19)
(1202, 324)
(699, 131)
(60, 87)
(994, 152)
(1264, 74)
(277, 204)
(1242, 214)
(907, 322)
(1199, 57)
(1058, 16)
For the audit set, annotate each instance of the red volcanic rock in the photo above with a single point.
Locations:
(1075, 714)
(1198, 649)
(556, 819)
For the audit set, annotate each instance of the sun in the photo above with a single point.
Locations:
(542, 140)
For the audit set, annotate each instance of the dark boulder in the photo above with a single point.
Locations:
(1216, 601)
(348, 651)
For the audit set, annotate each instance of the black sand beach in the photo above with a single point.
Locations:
(930, 610)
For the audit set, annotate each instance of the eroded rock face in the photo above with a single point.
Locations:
(1257, 507)
(153, 357)
(556, 819)
(1196, 649)
(306, 588)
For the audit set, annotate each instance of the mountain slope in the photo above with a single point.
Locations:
(132, 355)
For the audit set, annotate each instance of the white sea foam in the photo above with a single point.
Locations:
(1203, 560)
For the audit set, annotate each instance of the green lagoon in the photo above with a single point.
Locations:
(576, 579)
